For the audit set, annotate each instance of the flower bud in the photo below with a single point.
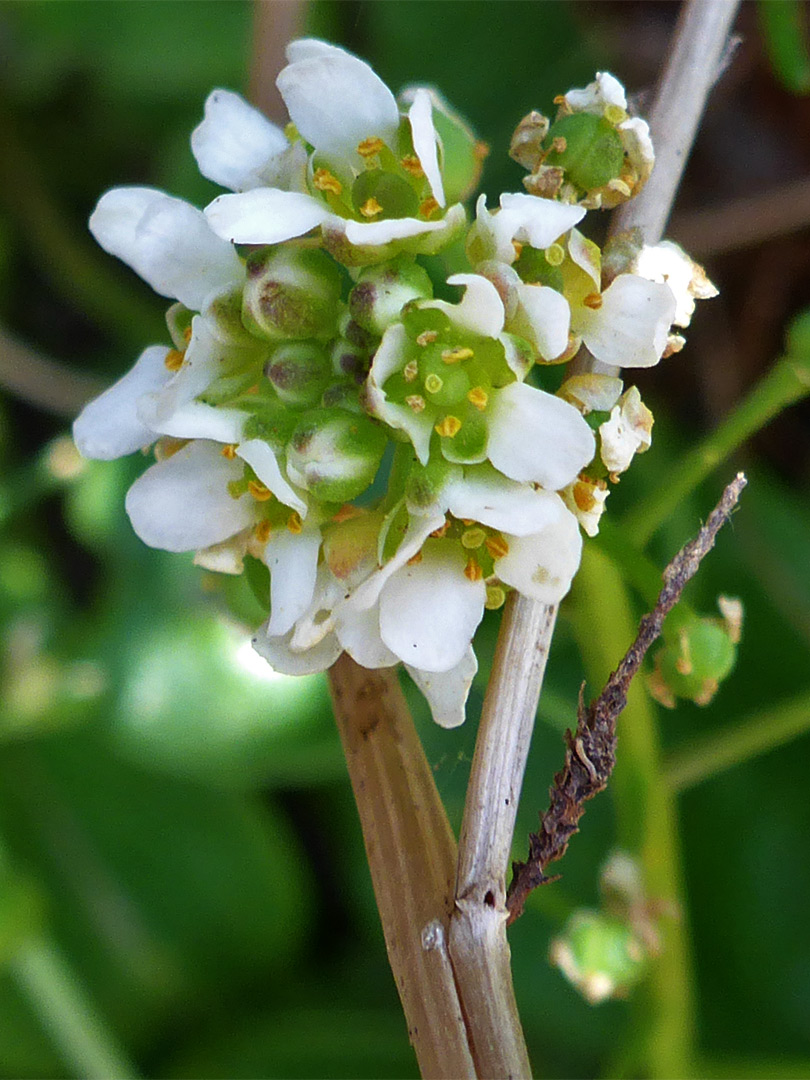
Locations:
(335, 454)
(291, 292)
(382, 291)
(599, 955)
(693, 661)
(300, 372)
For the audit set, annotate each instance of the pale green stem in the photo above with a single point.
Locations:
(87, 1047)
(645, 809)
(713, 753)
(787, 382)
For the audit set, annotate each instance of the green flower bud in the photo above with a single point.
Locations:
(425, 482)
(349, 362)
(382, 291)
(593, 153)
(693, 662)
(599, 955)
(335, 454)
(291, 292)
(300, 372)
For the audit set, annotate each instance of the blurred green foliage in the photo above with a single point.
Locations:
(180, 826)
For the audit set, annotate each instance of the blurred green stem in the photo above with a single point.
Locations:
(645, 808)
(65, 1011)
(716, 751)
(787, 382)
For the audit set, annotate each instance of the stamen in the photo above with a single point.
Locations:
(427, 337)
(428, 207)
(262, 531)
(473, 538)
(583, 496)
(559, 99)
(496, 546)
(554, 254)
(370, 208)
(229, 451)
(593, 301)
(437, 534)
(411, 164)
(369, 147)
(619, 185)
(472, 571)
(478, 397)
(324, 180)
(416, 402)
(259, 491)
(518, 247)
(414, 559)
(410, 371)
(455, 356)
(496, 597)
(614, 114)
(174, 359)
(187, 334)
(346, 513)
(294, 522)
(450, 426)
(433, 383)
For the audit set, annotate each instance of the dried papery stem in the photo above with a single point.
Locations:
(275, 23)
(591, 750)
(412, 856)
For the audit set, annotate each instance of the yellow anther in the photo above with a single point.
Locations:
(473, 538)
(410, 371)
(427, 337)
(416, 402)
(414, 559)
(615, 114)
(187, 334)
(583, 496)
(294, 522)
(259, 491)
(559, 99)
(449, 427)
(478, 397)
(593, 301)
(558, 144)
(496, 546)
(518, 247)
(472, 571)
(433, 383)
(370, 207)
(327, 181)
(496, 597)
(167, 447)
(229, 451)
(455, 356)
(262, 531)
(369, 147)
(428, 207)
(411, 164)
(346, 513)
(174, 359)
(437, 534)
(555, 254)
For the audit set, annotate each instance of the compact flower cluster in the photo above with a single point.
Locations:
(399, 461)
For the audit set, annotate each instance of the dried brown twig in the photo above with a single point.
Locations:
(591, 750)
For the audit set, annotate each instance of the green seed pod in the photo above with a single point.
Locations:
(382, 291)
(300, 372)
(593, 153)
(694, 663)
(599, 955)
(335, 454)
(291, 292)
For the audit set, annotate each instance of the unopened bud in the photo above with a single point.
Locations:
(335, 454)
(291, 293)
(300, 371)
(382, 291)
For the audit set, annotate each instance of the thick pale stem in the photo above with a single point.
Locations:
(412, 856)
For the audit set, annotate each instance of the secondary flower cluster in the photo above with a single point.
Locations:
(398, 461)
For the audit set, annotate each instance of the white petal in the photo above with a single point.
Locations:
(387, 360)
(586, 255)
(336, 101)
(359, 634)
(292, 560)
(630, 328)
(183, 503)
(542, 566)
(310, 49)
(429, 610)
(447, 691)
(201, 365)
(262, 460)
(592, 391)
(277, 652)
(606, 90)
(168, 242)
(227, 557)
(108, 427)
(488, 497)
(537, 437)
(480, 309)
(235, 141)
(318, 621)
(195, 420)
(545, 318)
(668, 263)
(265, 215)
(638, 145)
(419, 529)
(420, 117)
(537, 221)
(383, 232)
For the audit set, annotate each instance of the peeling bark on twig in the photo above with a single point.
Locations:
(591, 750)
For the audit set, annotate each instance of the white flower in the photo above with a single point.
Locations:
(585, 498)
(627, 432)
(527, 219)
(349, 116)
(668, 263)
